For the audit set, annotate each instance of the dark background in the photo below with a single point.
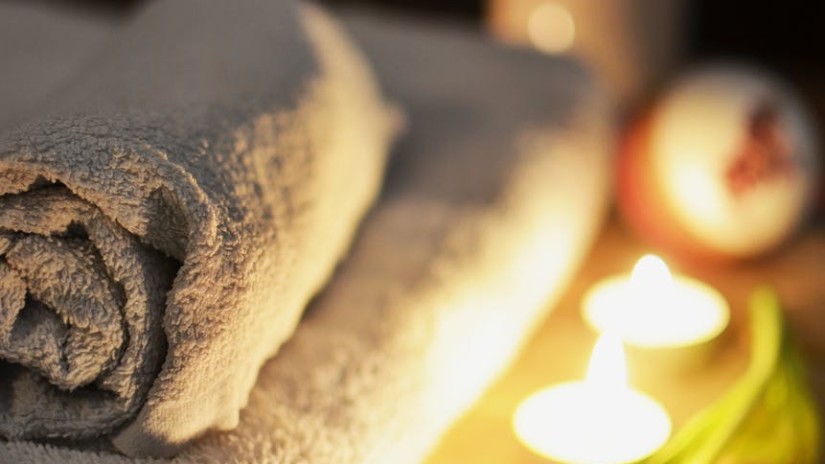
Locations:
(770, 32)
(786, 36)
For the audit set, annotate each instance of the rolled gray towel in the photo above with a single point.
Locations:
(167, 217)
(42, 47)
(493, 197)
(492, 200)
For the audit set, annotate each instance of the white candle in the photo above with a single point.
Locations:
(652, 309)
(597, 420)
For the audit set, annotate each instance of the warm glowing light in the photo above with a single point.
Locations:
(653, 309)
(551, 28)
(651, 271)
(608, 366)
(598, 420)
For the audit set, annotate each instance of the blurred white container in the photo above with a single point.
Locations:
(632, 44)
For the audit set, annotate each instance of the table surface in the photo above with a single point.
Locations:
(560, 348)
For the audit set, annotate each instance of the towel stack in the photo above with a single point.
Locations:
(167, 215)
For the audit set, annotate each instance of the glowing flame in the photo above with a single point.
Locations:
(608, 368)
(551, 28)
(598, 420)
(651, 272)
(656, 309)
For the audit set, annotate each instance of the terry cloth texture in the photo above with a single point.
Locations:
(40, 49)
(493, 197)
(165, 221)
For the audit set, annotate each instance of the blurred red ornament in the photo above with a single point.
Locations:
(723, 167)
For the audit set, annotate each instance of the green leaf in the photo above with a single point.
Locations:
(768, 416)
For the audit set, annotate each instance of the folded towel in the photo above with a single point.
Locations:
(41, 48)
(493, 196)
(166, 219)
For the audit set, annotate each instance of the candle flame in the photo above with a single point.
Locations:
(608, 367)
(599, 420)
(651, 273)
(653, 308)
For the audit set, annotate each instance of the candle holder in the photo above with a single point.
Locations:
(767, 415)
(599, 419)
(672, 323)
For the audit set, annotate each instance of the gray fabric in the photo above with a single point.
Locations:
(165, 220)
(493, 197)
(42, 47)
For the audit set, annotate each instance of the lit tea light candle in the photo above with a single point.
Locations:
(597, 420)
(653, 309)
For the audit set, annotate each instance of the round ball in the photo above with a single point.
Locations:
(725, 165)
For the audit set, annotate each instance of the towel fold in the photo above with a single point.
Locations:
(493, 197)
(82, 306)
(166, 219)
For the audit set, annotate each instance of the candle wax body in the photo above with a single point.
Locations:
(578, 422)
(673, 314)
